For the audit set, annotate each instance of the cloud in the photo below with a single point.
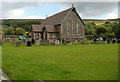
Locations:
(111, 16)
(14, 13)
(60, 0)
(34, 17)
(99, 10)
(15, 9)
(119, 9)
(94, 9)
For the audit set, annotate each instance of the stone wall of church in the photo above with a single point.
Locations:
(72, 28)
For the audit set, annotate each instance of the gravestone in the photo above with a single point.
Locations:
(57, 42)
(37, 42)
(14, 42)
(46, 42)
(23, 41)
(17, 43)
(118, 41)
(104, 39)
(94, 40)
(113, 41)
(108, 41)
(65, 42)
(51, 42)
(33, 41)
(29, 43)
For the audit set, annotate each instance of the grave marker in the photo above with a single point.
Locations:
(17, 43)
(57, 42)
(29, 43)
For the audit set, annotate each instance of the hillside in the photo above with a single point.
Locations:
(21, 22)
(100, 21)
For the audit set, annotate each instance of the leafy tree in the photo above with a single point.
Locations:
(20, 31)
(117, 30)
(27, 28)
(8, 30)
(90, 28)
(101, 30)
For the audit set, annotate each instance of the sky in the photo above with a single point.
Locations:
(39, 10)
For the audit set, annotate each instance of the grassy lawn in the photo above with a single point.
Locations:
(71, 62)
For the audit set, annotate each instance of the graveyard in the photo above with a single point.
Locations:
(61, 62)
(94, 58)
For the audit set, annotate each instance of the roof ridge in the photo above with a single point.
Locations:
(59, 12)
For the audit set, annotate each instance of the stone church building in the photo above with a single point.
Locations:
(64, 25)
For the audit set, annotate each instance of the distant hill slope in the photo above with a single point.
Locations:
(100, 21)
(22, 22)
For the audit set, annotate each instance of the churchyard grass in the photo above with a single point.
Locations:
(70, 62)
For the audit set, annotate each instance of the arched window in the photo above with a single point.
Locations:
(72, 27)
(67, 28)
(77, 28)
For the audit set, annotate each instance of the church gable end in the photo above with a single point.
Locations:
(72, 26)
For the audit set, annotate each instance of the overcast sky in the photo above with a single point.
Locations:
(39, 10)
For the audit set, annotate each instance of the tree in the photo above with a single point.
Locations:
(20, 31)
(117, 30)
(27, 28)
(101, 30)
(90, 28)
(8, 30)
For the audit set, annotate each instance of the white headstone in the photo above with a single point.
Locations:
(38, 42)
(57, 42)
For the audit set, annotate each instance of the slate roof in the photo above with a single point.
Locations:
(37, 28)
(57, 18)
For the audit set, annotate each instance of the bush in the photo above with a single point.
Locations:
(20, 31)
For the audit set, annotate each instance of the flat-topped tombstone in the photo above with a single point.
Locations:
(65, 42)
(57, 42)
(51, 41)
(17, 43)
(37, 42)
(33, 41)
(23, 41)
(29, 43)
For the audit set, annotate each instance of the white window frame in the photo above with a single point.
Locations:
(72, 28)
(67, 28)
(77, 28)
